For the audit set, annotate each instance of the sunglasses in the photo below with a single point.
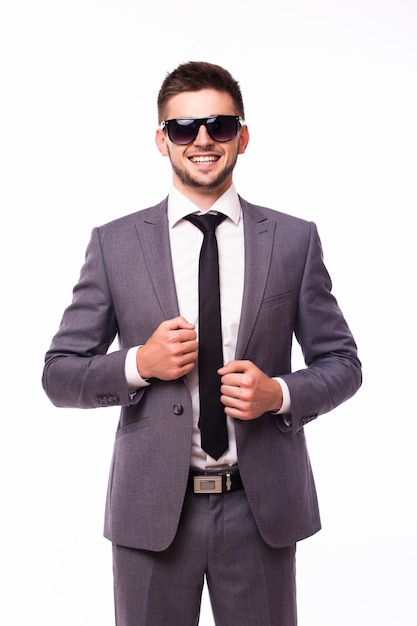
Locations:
(184, 130)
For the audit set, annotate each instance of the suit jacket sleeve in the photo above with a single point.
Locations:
(78, 371)
(333, 372)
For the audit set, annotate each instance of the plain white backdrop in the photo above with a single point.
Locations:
(331, 97)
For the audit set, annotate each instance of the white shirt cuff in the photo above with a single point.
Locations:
(286, 398)
(133, 378)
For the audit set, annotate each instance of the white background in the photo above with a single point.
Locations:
(331, 99)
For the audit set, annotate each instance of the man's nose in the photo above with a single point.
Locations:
(203, 138)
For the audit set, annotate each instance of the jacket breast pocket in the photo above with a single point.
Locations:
(278, 300)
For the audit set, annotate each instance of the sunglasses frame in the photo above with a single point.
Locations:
(201, 121)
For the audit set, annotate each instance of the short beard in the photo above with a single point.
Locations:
(189, 181)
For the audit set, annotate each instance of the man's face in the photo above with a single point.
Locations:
(204, 166)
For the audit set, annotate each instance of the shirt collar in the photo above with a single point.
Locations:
(179, 206)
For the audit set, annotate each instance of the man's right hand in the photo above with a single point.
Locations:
(170, 352)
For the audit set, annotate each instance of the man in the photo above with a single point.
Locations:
(179, 510)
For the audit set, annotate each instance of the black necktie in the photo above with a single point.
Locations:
(212, 422)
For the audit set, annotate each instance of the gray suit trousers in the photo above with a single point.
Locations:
(249, 583)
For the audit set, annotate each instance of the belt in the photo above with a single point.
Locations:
(214, 481)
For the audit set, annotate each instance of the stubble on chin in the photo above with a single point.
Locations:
(189, 180)
(198, 183)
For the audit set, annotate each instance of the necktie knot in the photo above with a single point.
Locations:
(206, 223)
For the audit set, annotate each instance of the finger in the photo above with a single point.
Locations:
(179, 322)
(177, 349)
(234, 367)
(236, 409)
(189, 347)
(188, 335)
(180, 340)
(231, 382)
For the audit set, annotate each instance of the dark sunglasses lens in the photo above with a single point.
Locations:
(222, 127)
(219, 127)
(182, 131)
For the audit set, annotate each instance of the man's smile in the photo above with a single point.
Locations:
(204, 159)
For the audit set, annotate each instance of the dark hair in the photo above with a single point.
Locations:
(194, 76)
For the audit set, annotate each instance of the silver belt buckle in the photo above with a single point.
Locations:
(208, 484)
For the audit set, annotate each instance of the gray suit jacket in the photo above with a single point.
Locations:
(126, 288)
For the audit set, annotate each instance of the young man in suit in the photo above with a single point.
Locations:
(194, 495)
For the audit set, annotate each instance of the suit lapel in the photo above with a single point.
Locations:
(259, 237)
(152, 229)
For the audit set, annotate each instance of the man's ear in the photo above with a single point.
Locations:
(243, 139)
(161, 142)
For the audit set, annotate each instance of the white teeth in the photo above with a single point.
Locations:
(202, 159)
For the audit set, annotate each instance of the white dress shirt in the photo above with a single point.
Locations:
(185, 240)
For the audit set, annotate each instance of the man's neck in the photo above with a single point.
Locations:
(202, 198)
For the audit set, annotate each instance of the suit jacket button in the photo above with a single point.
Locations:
(178, 409)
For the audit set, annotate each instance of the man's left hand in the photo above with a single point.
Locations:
(247, 392)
